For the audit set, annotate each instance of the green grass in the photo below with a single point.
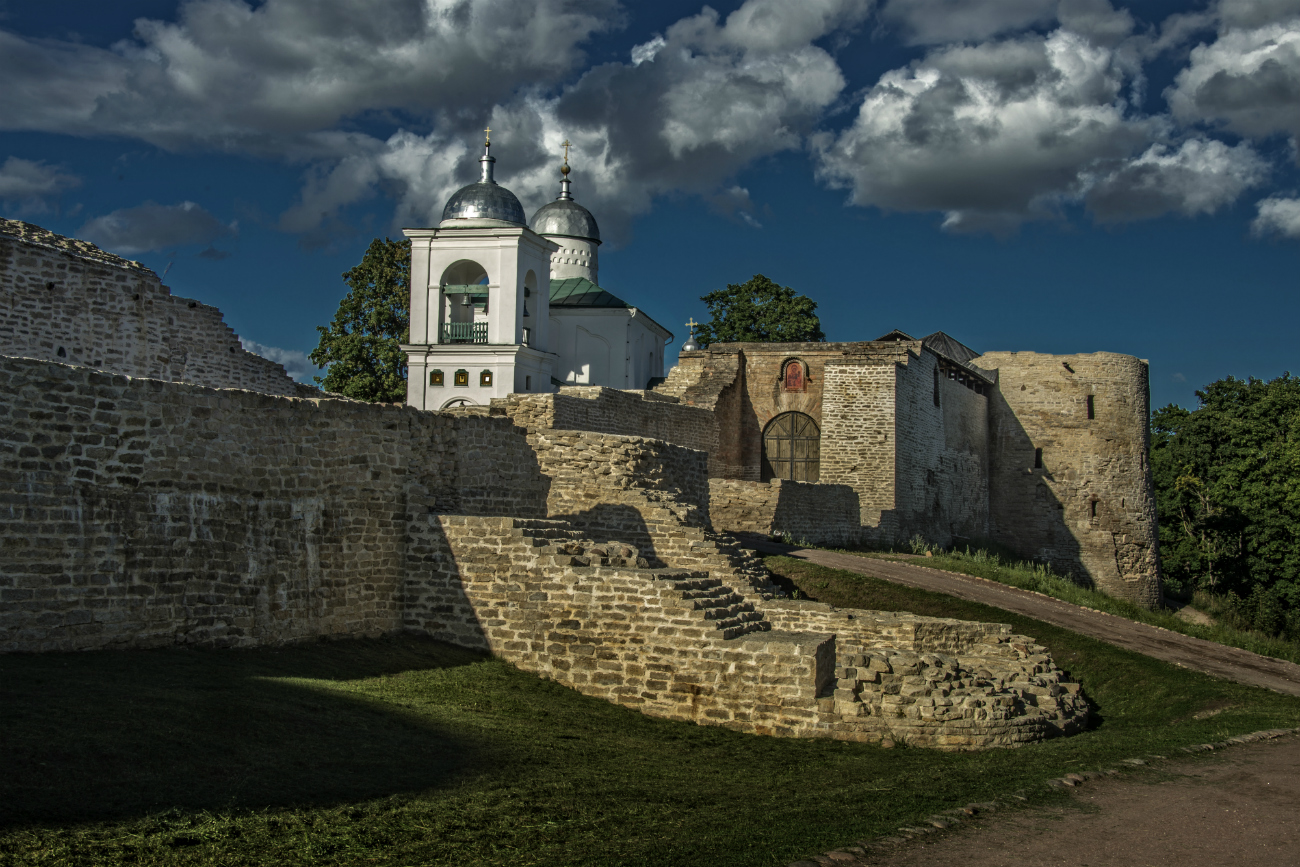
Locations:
(407, 751)
(1034, 576)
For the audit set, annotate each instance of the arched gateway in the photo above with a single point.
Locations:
(792, 448)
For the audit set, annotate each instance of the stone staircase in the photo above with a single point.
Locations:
(703, 644)
(728, 611)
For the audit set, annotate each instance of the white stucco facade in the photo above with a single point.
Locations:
(618, 347)
(507, 267)
(482, 323)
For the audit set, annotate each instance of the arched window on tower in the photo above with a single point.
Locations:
(792, 448)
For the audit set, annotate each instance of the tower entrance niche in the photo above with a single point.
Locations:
(792, 448)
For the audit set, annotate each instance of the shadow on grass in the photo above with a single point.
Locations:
(116, 734)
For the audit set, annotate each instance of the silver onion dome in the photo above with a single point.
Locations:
(564, 216)
(485, 199)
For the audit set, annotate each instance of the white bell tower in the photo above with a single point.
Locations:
(480, 301)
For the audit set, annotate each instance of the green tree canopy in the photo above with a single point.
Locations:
(1227, 478)
(361, 345)
(760, 311)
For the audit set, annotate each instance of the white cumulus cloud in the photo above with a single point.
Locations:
(1198, 177)
(707, 99)
(1278, 216)
(991, 134)
(295, 362)
(152, 226)
(262, 77)
(930, 22)
(29, 184)
(1248, 79)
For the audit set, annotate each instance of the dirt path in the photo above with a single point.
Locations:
(1240, 806)
(1229, 663)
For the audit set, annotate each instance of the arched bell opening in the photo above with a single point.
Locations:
(792, 448)
(465, 298)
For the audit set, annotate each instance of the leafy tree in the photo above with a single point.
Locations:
(760, 311)
(361, 344)
(1227, 478)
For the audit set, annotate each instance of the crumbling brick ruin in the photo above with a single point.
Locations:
(147, 510)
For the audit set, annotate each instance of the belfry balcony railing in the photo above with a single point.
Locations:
(465, 332)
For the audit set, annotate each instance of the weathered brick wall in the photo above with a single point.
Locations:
(142, 512)
(610, 411)
(816, 513)
(68, 301)
(941, 461)
(1090, 509)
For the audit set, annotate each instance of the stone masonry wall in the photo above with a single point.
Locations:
(815, 513)
(1089, 509)
(858, 438)
(139, 512)
(142, 512)
(941, 461)
(67, 301)
(610, 411)
(685, 645)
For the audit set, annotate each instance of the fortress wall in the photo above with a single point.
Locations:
(858, 448)
(138, 512)
(1090, 509)
(610, 411)
(67, 301)
(941, 469)
(817, 513)
(631, 489)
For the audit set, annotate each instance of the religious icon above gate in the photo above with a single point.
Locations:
(794, 376)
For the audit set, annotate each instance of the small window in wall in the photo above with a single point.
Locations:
(528, 383)
(936, 386)
(1038, 459)
(435, 377)
(485, 378)
(1093, 505)
(1092, 408)
(462, 377)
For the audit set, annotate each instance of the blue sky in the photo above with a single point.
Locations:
(1049, 175)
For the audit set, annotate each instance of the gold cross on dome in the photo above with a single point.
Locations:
(692, 324)
(566, 151)
(487, 136)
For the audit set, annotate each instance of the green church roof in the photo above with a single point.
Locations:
(581, 292)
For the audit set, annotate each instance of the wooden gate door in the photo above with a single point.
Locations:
(792, 448)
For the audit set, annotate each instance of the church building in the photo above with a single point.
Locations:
(500, 308)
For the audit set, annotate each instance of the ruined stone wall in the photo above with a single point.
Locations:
(814, 513)
(713, 380)
(690, 646)
(67, 301)
(1089, 510)
(610, 411)
(642, 491)
(941, 463)
(142, 512)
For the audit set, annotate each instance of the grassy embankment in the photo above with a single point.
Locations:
(407, 751)
(1033, 576)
